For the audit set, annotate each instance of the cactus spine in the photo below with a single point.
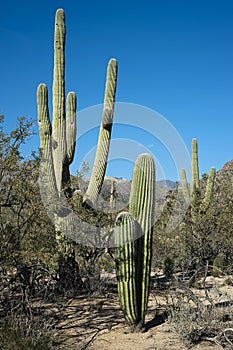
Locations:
(141, 209)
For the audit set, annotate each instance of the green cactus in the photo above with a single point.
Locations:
(112, 199)
(195, 184)
(209, 190)
(185, 187)
(99, 167)
(127, 266)
(46, 140)
(190, 195)
(57, 142)
(133, 229)
(137, 255)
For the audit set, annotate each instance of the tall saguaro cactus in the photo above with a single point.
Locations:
(134, 240)
(58, 143)
(58, 140)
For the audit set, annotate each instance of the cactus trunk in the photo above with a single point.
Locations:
(58, 124)
(195, 169)
(127, 272)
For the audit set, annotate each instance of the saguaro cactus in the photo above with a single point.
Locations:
(134, 240)
(191, 193)
(57, 142)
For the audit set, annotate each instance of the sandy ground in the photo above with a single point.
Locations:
(98, 323)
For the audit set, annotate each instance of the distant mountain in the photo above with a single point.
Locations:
(167, 183)
(223, 176)
(227, 169)
(123, 187)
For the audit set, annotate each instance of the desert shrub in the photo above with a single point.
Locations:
(195, 321)
(27, 330)
(168, 267)
(14, 338)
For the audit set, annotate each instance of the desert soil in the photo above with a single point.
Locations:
(97, 323)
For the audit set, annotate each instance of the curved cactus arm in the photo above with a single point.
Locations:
(184, 185)
(58, 123)
(195, 184)
(142, 208)
(47, 175)
(209, 190)
(100, 163)
(126, 230)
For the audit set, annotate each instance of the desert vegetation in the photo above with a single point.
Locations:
(64, 283)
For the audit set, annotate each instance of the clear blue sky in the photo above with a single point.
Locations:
(174, 57)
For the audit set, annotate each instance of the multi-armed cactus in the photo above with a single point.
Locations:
(57, 141)
(133, 235)
(191, 193)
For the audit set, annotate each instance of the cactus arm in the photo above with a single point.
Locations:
(125, 230)
(47, 170)
(100, 163)
(184, 185)
(209, 190)
(112, 200)
(71, 130)
(195, 170)
(43, 117)
(142, 207)
(58, 124)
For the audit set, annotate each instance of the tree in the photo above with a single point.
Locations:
(26, 233)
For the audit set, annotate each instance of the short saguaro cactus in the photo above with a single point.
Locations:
(133, 234)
